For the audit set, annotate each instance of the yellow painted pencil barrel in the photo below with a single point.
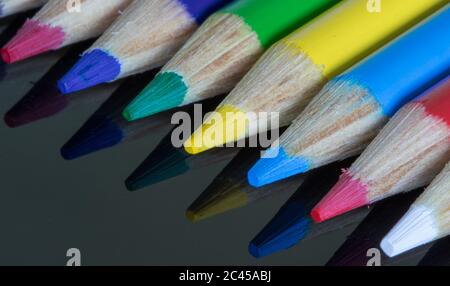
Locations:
(353, 28)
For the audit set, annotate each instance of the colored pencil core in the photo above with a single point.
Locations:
(348, 194)
(276, 165)
(32, 39)
(226, 124)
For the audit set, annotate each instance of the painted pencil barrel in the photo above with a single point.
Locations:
(404, 69)
(272, 19)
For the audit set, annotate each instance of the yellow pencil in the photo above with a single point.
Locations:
(292, 71)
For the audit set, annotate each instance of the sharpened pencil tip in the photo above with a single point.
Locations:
(289, 226)
(417, 227)
(275, 166)
(226, 124)
(94, 67)
(192, 216)
(348, 194)
(98, 134)
(32, 39)
(6, 57)
(166, 91)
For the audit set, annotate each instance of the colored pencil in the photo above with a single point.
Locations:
(292, 223)
(427, 220)
(369, 233)
(44, 99)
(144, 37)
(10, 7)
(56, 26)
(106, 128)
(167, 161)
(407, 154)
(292, 71)
(438, 255)
(222, 51)
(230, 189)
(352, 108)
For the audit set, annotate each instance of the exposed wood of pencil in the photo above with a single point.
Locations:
(148, 32)
(281, 81)
(408, 153)
(92, 20)
(339, 123)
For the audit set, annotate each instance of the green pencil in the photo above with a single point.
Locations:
(220, 53)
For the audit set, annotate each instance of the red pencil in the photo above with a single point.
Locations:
(408, 153)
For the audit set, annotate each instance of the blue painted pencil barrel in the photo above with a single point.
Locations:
(411, 64)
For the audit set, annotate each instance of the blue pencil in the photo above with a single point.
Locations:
(293, 223)
(144, 37)
(347, 114)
